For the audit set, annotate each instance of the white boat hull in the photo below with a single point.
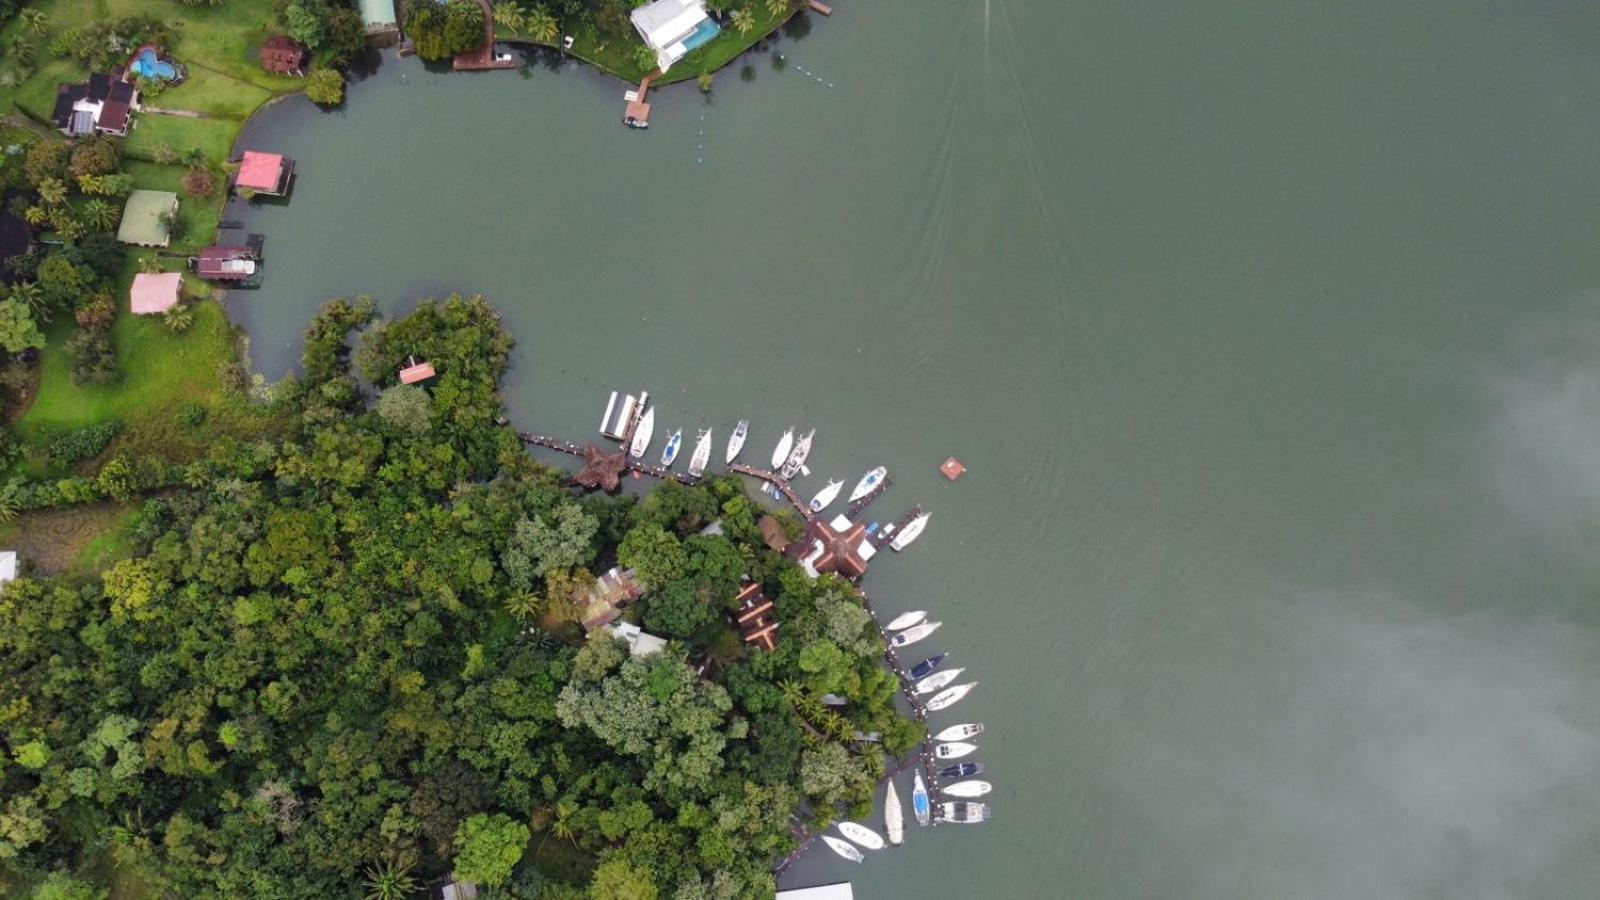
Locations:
(862, 835)
(893, 821)
(950, 696)
(825, 496)
(669, 453)
(954, 750)
(963, 812)
(967, 789)
(642, 434)
(959, 732)
(911, 532)
(906, 620)
(868, 483)
(843, 848)
(702, 454)
(781, 453)
(938, 680)
(913, 634)
(736, 442)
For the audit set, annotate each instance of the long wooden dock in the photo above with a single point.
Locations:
(643, 468)
(778, 481)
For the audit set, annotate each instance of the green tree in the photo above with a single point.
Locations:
(53, 191)
(100, 215)
(304, 25)
(542, 26)
(326, 86)
(178, 318)
(657, 555)
(406, 407)
(644, 57)
(488, 848)
(18, 330)
(618, 879)
(779, 7)
(62, 886)
(35, 21)
(743, 19)
(96, 156)
(509, 16)
(389, 880)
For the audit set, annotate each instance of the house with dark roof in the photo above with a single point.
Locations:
(757, 621)
(284, 55)
(102, 105)
(603, 601)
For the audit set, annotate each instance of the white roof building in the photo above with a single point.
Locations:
(640, 643)
(840, 891)
(8, 566)
(672, 28)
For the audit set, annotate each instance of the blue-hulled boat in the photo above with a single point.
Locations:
(674, 444)
(919, 800)
(922, 669)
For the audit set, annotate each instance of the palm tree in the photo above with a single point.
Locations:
(526, 606)
(507, 15)
(777, 7)
(29, 293)
(53, 191)
(36, 215)
(542, 26)
(69, 226)
(150, 264)
(34, 19)
(22, 49)
(100, 215)
(743, 20)
(178, 318)
(390, 880)
(562, 827)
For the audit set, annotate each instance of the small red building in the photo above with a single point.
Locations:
(284, 55)
(264, 173)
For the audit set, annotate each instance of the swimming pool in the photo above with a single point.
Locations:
(148, 64)
(702, 33)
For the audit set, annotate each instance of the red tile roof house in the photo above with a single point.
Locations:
(264, 173)
(284, 55)
(155, 293)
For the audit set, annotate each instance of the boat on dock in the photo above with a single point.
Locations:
(643, 433)
(906, 620)
(797, 456)
(967, 789)
(736, 443)
(926, 667)
(867, 483)
(938, 680)
(781, 452)
(862, 835)
(949, 696)
(954, 750)
(913, 634)
(702, 453)
(843, 848)
(669, 453)
(962, 770)
(911, 532)
(964, 812)
(893, 822)
(960, 732)
(825, 496)
(919, 799)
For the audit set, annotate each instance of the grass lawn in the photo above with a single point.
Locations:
(213, 93)
(212, 137)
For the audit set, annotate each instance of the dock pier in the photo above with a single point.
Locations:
(634, 465)
(879, 540)
(859, 505)
(778, 481)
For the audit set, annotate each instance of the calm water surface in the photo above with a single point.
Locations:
(1270, 333)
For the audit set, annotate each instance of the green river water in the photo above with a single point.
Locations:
(1269, 333)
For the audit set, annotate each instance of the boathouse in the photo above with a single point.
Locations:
(640, 642)
(145, 216)
(226, 263)
(383, 26)
(284, 55)
(619, 415)
(673, 28)
(603, 601)
(155, 292)
(840, 546)
(264, 173)
(103, 104)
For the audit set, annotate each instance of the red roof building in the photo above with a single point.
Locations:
(839, 546)
(284, 55)
(756, 620)
(264, 173)
(417, 371)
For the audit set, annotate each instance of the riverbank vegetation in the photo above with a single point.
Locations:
(346, 658)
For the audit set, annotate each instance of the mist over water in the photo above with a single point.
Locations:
(1270, 337)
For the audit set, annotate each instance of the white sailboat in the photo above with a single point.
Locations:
(950, 696)
(862, 835)
(893, 822)
(825, 496)
(669, 453)
(867, 483)
(797, 456)
(960, 732)
(906, 620)
(780, 453)
(963, 812)
(938, 680)
(702, 454)
(967, 789)
(919, 799)
(913, 634)
(843, 848)
(954, 750)
(736, 443)
(910, 533)
(643, 433)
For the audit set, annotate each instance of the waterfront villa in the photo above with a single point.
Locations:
(383, 26)
(154, 293)
(264, 173)
(673, 28)
(839, 546)
(144, 218)
(103, 104)
(284, 55)
(603, 601)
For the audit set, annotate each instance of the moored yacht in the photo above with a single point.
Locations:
(736, 443)
(960, 732)
(825, 496)
(893, 821)
(642, 434)
(843, 848)
(781, 452)
(913, 634)
(797, 456)
(669, 453)
(949, 696)
(938, 680)
(862, 835)
(954, 750)
(906, 620)
(919, 799)
(962, 770)
(702, 453)
(924, 668)
(911, 532)
(964, 812)
(867, 483)
(967, 789)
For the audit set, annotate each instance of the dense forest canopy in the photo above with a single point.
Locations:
(346, 662)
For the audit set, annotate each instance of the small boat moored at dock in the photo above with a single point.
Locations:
(964, 812)
(781, 452)
(967, 789)
(669, 453)
(960, 732)
(949, 696)
(702, 453)
(643, 433)
(893, 821)
(934, 682)
(913, 634)
(825, 496)
(843, 848)
(736, 443)
(954, 750)
(922, 669)
(962, 770)
(867, 483)
(919, 799)
(862, 835)
(911, 532)
(797, 456)
(906, 620)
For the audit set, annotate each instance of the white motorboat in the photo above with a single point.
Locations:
(959, 732)
(954, 750)
(949, 696)
(911, 532)
(967, 789)
(906, 620)
(938, 680)
(702, 453)
(919, 799)
(867, 483)
(893, 822)
(963, 812)
(843, 848)
(862, 835)
(674, 444)
(780, 453)
(736, 443)
(825, 496)
(797, 456)
(643, 433)
(913, 634)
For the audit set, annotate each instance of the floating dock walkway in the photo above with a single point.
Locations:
(777, 481)
(643, 468)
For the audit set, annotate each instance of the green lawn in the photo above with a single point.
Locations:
(212, 137)
(200, 216)
(213, 93)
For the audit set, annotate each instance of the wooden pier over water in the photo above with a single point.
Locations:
(776, 480)
(643, 468)
(879, 540)
(859, 505)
